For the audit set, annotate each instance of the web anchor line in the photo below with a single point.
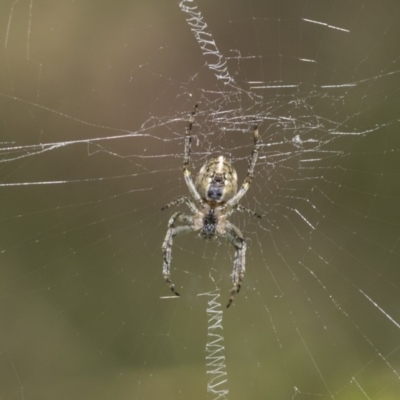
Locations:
(215, 357)
(205, 40)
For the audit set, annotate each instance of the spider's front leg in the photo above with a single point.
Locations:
(234, 235)
(167, 244)
(186, 159)
(250, 171)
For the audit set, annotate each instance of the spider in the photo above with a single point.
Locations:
(214, 197)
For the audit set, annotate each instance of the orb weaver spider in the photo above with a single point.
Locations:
(214, 197)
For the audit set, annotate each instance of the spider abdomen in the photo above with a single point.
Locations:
(215, 191)
(217, 180)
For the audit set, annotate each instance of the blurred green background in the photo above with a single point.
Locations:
(94, 97)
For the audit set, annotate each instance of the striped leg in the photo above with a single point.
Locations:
(234, 235)
(167, 244)
(250, 172)
(186, 159)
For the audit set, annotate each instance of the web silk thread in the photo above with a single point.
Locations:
(205, 40)
(215, 358)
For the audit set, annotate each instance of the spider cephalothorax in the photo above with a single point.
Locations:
(210, 222)
(214, 197)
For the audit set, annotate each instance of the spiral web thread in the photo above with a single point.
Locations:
(215, 358)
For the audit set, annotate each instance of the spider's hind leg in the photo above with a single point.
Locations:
(167, 244)
(234, 235)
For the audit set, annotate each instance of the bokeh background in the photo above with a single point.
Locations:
(94, 97)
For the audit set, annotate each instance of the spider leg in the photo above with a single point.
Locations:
(245, 209)
(250, 171)
(234, 235)
(167, 244)
(181, 200)
(186, 159)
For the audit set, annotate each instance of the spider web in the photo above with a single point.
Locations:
(95, 97)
